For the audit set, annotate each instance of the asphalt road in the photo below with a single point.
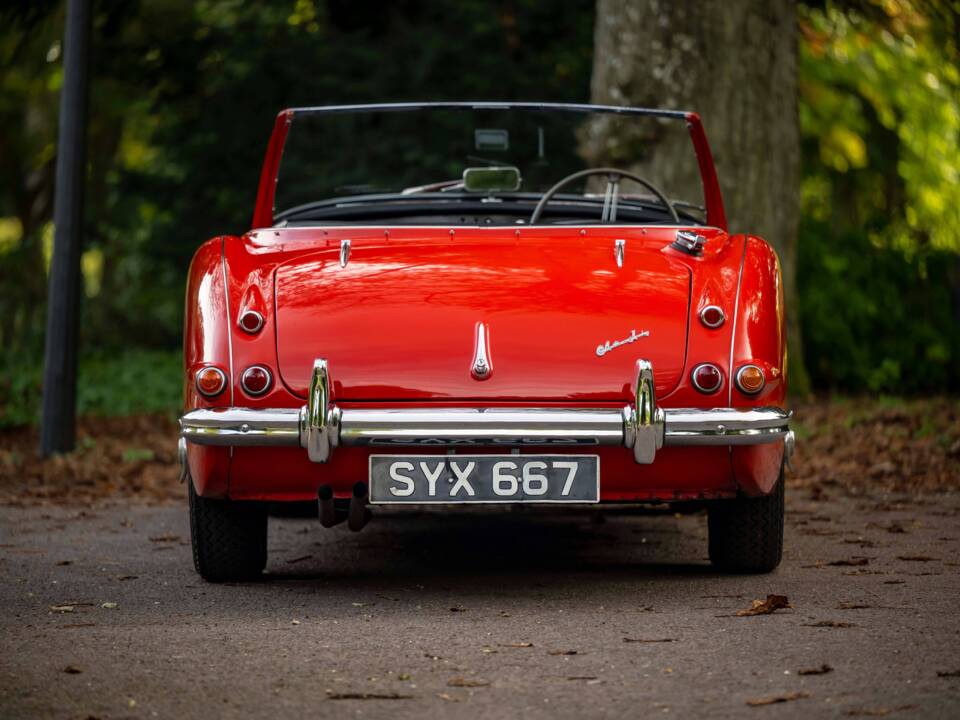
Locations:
(493, 615)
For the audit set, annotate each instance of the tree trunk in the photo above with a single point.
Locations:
(734, 63)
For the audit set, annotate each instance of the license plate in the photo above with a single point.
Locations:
(401, 479)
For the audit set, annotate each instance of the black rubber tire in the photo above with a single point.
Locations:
(746, 534)
(229, 538)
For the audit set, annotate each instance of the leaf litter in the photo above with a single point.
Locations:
(765, 607)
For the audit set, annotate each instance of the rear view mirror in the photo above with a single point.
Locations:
(491, 179)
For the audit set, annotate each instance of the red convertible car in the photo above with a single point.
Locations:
(455, 303)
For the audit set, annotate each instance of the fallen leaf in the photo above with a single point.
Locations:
(645, 640)
(582, 677)
(404, 676)
(516, 645)
(448, 697)
(822, 670)
(165, 538)
(563, 652)
(109, 605)
(76, 625)
(294, 622)
(65, 562)
(948, 673)
(127, 577)
(876, 712)
(367, 696)
(774, 699)
(62, 608)
(72, 670)
(917, 558)
(852, 562)
(830, 624)
(765, 607)
(464, 682)
(458, 608)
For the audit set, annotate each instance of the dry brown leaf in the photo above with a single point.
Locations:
(645, 640)
(830, 624)
(852, 562)
(516, 645)
(367, 696)
(765, 607)
(822, 670)
(72, 670)
(448, 697)
(773, 699)
(563, 652)
(467, 683)
(948, 673)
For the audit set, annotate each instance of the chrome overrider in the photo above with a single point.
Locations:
(320, 426)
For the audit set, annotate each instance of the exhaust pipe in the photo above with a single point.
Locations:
(358, 515)
(328, 513)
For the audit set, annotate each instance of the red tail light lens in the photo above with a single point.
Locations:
(250, 321)
(712, 316)
(210, 381)
(256, 380)
(707, 378)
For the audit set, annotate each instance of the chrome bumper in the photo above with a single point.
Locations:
(320, 426)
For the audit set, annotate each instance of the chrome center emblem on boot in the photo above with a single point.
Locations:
(482, 367)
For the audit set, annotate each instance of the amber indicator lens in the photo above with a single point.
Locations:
(707, 378)
(750, 379)
(251, 321)
(256, 380)
(211, 381)
(712, 316)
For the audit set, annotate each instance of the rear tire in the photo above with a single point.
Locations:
(746, 534)
(229, 538)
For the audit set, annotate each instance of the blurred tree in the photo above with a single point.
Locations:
(736, 65)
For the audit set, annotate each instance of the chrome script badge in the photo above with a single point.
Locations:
(614, 344)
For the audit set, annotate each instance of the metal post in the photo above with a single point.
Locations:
(58, 430)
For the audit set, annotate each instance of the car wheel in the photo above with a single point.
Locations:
(229, 538)
(746, 534)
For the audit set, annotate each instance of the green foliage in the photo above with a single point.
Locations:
(879, 250)
(127, 383)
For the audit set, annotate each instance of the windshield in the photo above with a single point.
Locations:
(407, 164)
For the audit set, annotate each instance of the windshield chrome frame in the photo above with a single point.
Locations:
(263, 216)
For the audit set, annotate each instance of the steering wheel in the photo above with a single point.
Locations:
(610, 195)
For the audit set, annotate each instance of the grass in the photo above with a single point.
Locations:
(131, 382)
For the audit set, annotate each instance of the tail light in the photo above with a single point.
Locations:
(712, 316)
(707, 378)
(250, 321)
(256, 380)
(750, 379)
(210, 381)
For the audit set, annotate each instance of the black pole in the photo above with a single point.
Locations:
(58, 430)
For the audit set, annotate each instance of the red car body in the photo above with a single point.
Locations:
(397, 326)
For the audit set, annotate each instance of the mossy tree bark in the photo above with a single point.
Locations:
(736, 65)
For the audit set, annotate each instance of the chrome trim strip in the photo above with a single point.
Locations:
(725, 426)
(226, 300)
(736, 311)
